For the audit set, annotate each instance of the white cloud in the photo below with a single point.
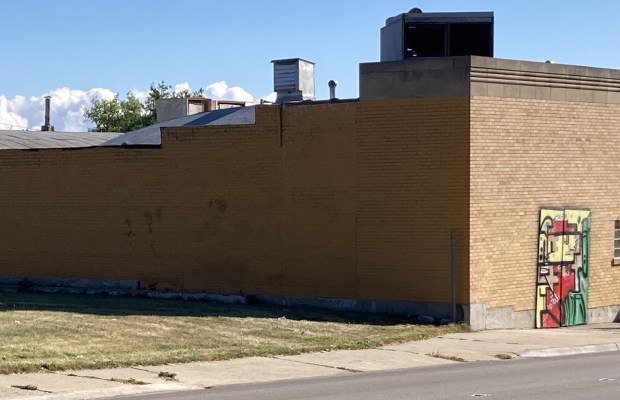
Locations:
(10, 118)
(141, 95)
(67, 105)
(66, 109)
(221, 91)
(179, 87)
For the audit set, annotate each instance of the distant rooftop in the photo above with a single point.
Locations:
(147, 136)
(30, 140)
(151, 135)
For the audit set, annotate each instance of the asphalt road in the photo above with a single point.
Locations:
(594, 376)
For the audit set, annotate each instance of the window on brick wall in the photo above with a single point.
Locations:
(617, 241)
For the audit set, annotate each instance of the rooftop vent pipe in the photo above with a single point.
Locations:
(332, 89)
(47, 127)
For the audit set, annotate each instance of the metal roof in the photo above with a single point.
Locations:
(25, 140)
(147, 136)
(151, 135)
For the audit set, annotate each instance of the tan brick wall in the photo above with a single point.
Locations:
(412, 165)
(193, 215)
(318, 219)
(222, 191)
(531, 154)
(344, 200)
(73, 210)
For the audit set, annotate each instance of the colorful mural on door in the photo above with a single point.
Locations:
(563, 262)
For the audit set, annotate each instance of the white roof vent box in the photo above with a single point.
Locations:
(293, 79)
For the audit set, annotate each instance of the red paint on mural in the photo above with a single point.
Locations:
(552, 319)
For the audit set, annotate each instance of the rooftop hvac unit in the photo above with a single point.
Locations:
(416, 35)
(293, 79)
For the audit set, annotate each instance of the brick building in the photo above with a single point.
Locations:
(539, 139)
(496, 174)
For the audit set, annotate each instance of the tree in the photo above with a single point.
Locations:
(118, 115)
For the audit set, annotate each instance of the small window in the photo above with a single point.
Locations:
(617, 240)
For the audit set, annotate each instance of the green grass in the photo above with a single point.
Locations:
(45, 332)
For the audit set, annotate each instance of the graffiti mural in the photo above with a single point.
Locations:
(563, 262)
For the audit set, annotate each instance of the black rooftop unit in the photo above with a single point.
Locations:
(416, 35)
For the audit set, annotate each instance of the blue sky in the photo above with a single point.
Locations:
(123, 45)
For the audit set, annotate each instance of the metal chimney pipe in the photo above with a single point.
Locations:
(46, 127)
(47, 109)
(332, 89)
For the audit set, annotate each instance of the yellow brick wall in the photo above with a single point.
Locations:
(531, 154)
(344, 200)
(412, 166)
(76, 210)
(318, 218)
(223, 203)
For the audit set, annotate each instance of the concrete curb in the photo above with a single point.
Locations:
(127, 390)
(567, 351)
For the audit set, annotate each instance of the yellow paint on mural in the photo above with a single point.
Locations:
(541, 303)
(572, 244)
(551, 246)
(577, 217)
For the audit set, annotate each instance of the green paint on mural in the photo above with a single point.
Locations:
(574, 309)
(575, 306)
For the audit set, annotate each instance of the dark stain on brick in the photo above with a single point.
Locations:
(220, 204)
(129, 232)
(148, 219)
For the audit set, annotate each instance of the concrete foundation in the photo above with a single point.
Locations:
(604, 314)
(482, 318)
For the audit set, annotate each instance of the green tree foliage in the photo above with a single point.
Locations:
(126, 115)
(116, 115)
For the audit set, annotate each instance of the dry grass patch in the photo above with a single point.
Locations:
(130, 381)
(169, 376)
(59, 332)
(25, 387)
(445, 357)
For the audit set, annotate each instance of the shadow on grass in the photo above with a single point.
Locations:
(120, 306)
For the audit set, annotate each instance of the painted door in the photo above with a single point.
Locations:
(563, 263)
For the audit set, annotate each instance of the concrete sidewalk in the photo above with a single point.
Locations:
(451, 348)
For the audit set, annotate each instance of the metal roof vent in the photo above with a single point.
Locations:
(293, 79)
(332, 89)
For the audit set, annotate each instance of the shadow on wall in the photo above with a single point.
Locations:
(119, 306)
(128, 297)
